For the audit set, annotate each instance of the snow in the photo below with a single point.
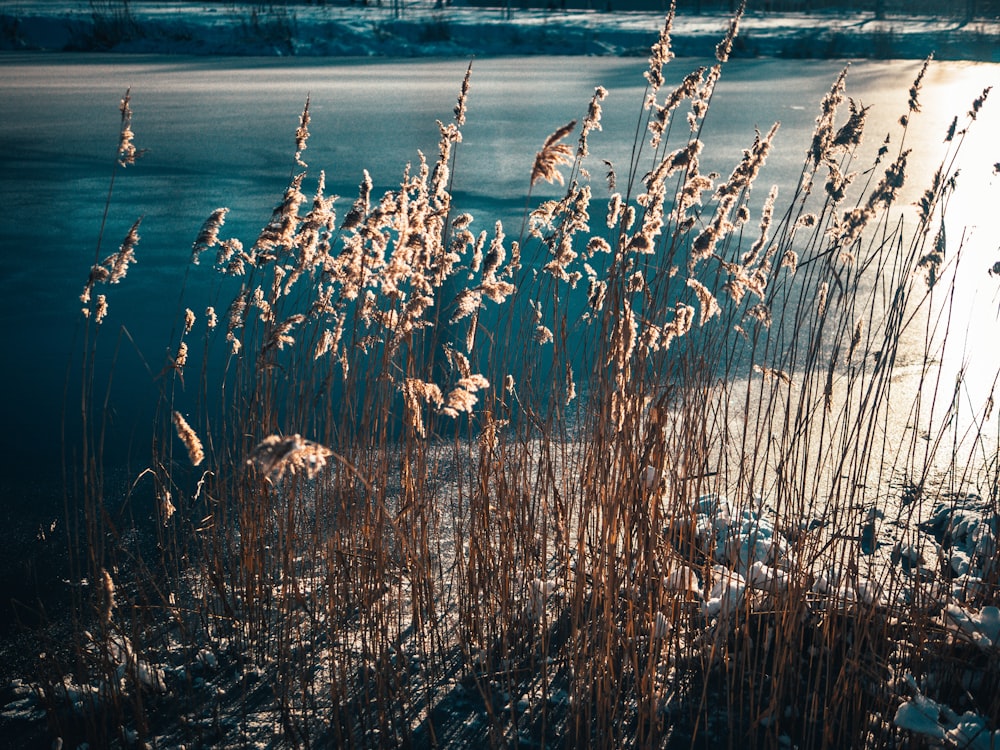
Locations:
(749, 554)
(538, 596)
(982, 628)
(921, 715)
(741, 559)
(726, 594)
(426, 30)
(963, 531)
(682, 579)
(661, 626)
(746, 539)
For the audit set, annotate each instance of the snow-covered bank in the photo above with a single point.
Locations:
(740, 577)
(425, 30)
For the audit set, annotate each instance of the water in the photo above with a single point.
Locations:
(220, 132)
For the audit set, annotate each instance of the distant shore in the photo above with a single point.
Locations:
(423, 30)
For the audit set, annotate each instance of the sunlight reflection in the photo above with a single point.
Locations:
(968, 306)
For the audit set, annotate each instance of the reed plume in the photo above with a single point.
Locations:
(100, 309)
(127, 152)
(553, 155)
(591, 122)
(190, 439)
(660, 55)
(106, 598)
(276, 456)
(725, 47)
(302, 134)
(113, 268)
(463, 97)
(208, 237)
(180, 359)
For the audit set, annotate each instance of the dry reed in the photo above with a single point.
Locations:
(643, 511)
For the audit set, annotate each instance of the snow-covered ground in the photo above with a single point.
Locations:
(217, 692)
(422, 29)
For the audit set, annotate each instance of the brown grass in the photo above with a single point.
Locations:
(448, 494)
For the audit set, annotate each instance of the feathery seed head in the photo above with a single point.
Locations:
(463, 397)
(914, 104)
(978, 102)
(850, 133)
(859, 330)
(275, 456)
(466, 303)
(709, 304)
(107, 597)
(724, 48)
(127, 153)
(112, 269)
(180, 359)
(543, 335)
(592, 121)
(209, 234)
(824, 290)
(463, 98)
(553, 155)
(823, 134)
(614, 210)
(100, 309)
(660, 54)
(190, 439)
(302, 134)
(118, 263)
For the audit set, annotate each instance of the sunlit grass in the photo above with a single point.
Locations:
(619, 476)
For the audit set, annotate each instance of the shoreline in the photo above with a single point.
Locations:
(425, 31)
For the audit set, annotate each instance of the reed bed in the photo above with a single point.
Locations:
(617, 477)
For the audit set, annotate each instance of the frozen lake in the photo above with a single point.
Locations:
(220, 132)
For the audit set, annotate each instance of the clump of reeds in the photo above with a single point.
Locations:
(452, 494)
